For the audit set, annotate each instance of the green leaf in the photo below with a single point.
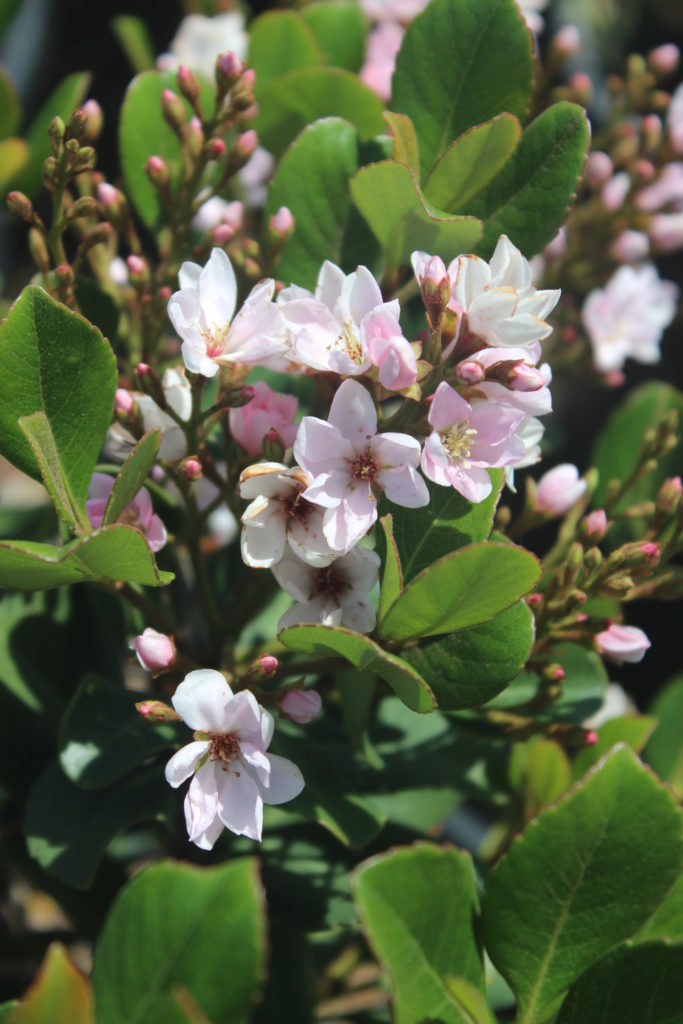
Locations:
(546, 774)
(631, 986)
(135, 41)
(392, 578)
(313, 181)
(664, 751)
(471, 162)
(176, 926)
(59, 993)
(280, 41)
(68, 828)
(61, 102)
(10, 107)
(420, 809)
(144, 133)
(449, 521)
(102, 737)
(363, 653)
(340, 29)
(406, 149)
(633, 730)
(114, 553)
(38, 433)
(580, 880)
(8, 8)
(530, 198)
(449, 73)
(13, 156)
(463, 589)
(53, 361)
(402, 220)
(132, 476)
(291, 102)
(419, 906)
(467, 669)
(616, 451)
(667, 920)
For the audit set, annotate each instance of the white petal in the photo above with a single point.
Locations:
(286, 781)
(218, 289)
(201, 700)
(184, 762)
(295, 576)
(201, 801)
(240, 806)
(353, 413)
(263, 547)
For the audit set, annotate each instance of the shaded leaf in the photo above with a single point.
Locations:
(280, 41)
(132, 476)
(38, 433)
(340, 29)
(631, 729)
(13, 156)
(392, 577)
(10, 106)
(406, 149)
(470, 163)
(59, 993)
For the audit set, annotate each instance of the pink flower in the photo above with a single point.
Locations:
(233, 774)
(349, 462)
(155, 651)
(628, 316)
(595, 525)
(140, 512)
(623, 643)
(279, 515)
(559, 489)
(599, 168)
(333, 595)
(202, 312)
(346, 327)
(301, 706)
(267, 410)
(383, 45)
(466, 439)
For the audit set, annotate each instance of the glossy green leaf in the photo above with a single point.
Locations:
(449, 73)
(471, 162)
(467, 669)
(580, 880)
(61, 102)
(402, 220)
(280, 41)
(10, 107)
(102, 736)
(176, 926)
(291, 102)
(667, 920)
(633, 730)
(59, 993)
(54, 361)
(38, 433)
(132, 476)
(463, 589)
(313, 181)
(529, 200)
(135, 41)
(144, 133)
(406, 149)
(546, 775)
(13, 156)
(421, 809)
(363, 653)
(114, 553)
(340, 29)
(448, 522)
(419, 906)
(664, 751)
(68, 828)
(630, 986)
(392, 576)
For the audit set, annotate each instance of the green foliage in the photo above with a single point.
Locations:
(38, 433)
(530, 197)
(312, 180)
(449, 73)
(13, 156)
(339, 27)
(135, 41)
(46, 353)
(132, 476)
(280, 41)
(667, 920)
(664, 750)
(61, 102)
(406, 149)
(633, 730)
(10, 106)
(420, 909)
(581, 879)
(59, 993)
(177, 929)
(392, 578)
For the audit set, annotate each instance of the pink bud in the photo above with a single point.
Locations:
(246, 143)
(582, 84)
(123, 401)
(155, 651)
(267, 417)
(249, 78)
(630, 246)
(168, 96)
(567, 41)
(165, 293)
(590, 738)
(268, 664)
(534, 600)
(557, 246)
(229, 67)
(435, 271)
(155, 163)
(143, 369)
(136, 266)
(615, 191)
(623, 643)
(470, 372)
(652, 130)
(282, 223)
(595, 525)
(222, 234)
(192, 468)
(523, 377)
(664, 59)
(666, 231)
(614, 379)
(651, 551)
(599, 169)
(301, 705)
(216, 148)
(559, 489)
(107, 195)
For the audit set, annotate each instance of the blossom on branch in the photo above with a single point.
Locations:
(334, 595)
(140, 513)
(268, 410)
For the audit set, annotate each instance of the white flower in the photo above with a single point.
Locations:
(628, 316)
(202, 312)
(335, 595)
(529, 432)
(233, 775)
(173, 445)
(199, 40)
(217, 211)
(531, 11)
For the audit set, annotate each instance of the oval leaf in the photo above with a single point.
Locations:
(340, 28)
(38, 433)
(280, 41)
(59, 993)
(132, 476)
(469, 164)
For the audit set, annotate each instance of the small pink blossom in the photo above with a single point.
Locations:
(664, 59)
(567, 41)
(349, 462)
(559, 489)
(140, 512)
(333, 595)
(623, 643)
(302, 706)
(123, 401)
(282, 222)
(233, 774)
(267, 410)
(595, 525)
(466, 439)
(384, 42)
(155, 651)
(254, 178)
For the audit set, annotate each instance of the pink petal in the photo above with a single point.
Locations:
(447, 408)
(353, 413)
(404, 486)
(201, 801)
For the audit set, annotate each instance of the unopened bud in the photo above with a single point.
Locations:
(77, 124)
(157, 171)
(272, 446)
(64, 275)
(242, 95)
(138, 271)
(592, 561)
(21, 205)
(599, 169)
(590, 738)
(155, 651)
(150, 384)
(523, 377)
(617, 585)
(243, 149)
(123, 401)
(470, 372)
(639, 554)
(191, 468)
(229, 69)
(50, 173)
(264, 666)
(235, 397)
(86, 206)
(215, 149)
(94, 120)
(165, 293)
(195, 137)
(554, 673)
(173, 109)
(567, 41)
(630, 246)
(669, 495)
(436, 288)
(594, 526)
(222, 234)
(100, 233)
(302, 706)
(652, 130)
(281, 226)
(188, 83)
(534, 600)
(157, 711)
(83, 160)
(38, 250)
(582, 86)
(663, 60)
(643, 171)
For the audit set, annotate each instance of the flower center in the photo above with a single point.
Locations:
(364, 467)
(215, 339)
(331, 581)
(458, 441)
(296, 507)
(224, 748)
(351, 344)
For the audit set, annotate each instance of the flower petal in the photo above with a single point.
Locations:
(240, 806)
(286, 781)
(201, 700)
(184, 762)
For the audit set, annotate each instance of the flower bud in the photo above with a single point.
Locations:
(599, 169)
(652, 130)
(272, 446)
(436, 288)
(523, 377)
(243, 149)
(242, 95)
(666, 231)
(21, 205)
(50, 173)
(65, 276)
(150, 383)
(215, 149)
(157, 711)
(558, 490)
(56, 131)
(669, 495)
(643, 171)
(582, 86)
(663, 60)
(301, 706)
(155, 651)
(108, 197)
(614, 192)
(623, 643)
(567, 41)
(554, 673)
(229, 68)
(268, 664)
(191, 468)
(86, 206)
(123, 401)
(173, 109)
(222, 234)
(94, 120)
(157, 171)
(38, 250)
(138, 271)
(590, 738)
(594, 526)
(470, 372)
(75, 129)
(83, 160)
(630, 246)
(188, 84)
(281, 226)
(195, 137)
(639, 554)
